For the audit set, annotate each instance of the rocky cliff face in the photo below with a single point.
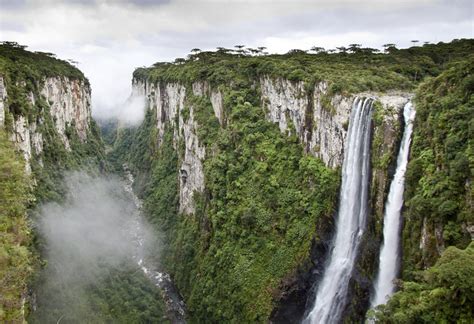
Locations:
(318, 119)
(68, 103)
(170, 100)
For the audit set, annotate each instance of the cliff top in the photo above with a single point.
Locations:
(350, 70)
(23, 65)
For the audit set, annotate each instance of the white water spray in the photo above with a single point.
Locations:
(390, 251)
(332, 291)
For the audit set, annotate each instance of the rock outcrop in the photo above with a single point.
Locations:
(69, 103)
(319, 119)
(170, 100)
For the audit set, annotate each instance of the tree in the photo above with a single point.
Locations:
(13, 44)
(389, 48)
(179, 60)
(317, 49)
(444, 293)
(223, 50)
(415, 41)
(195, 50)
(342, 49)
(296, 51)
(368, 50)
(47, 54)
(354, 48)
(253, 51)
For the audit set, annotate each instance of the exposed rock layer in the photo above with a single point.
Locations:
(69, 104)
(320, 120)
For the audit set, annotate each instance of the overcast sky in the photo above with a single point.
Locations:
(109, 38)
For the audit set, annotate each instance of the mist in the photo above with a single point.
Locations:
(129, 113)
(89, 239)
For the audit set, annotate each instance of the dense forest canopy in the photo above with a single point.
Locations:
(347, 71)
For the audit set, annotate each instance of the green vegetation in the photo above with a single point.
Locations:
(122, 295)
(137, 147)
(264, 199)
(15, 237)
(256, 219)
(31, 67)
(24, 73)
(347, 71)
(439, 175)
(442, 294)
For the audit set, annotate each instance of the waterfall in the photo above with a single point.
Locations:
(390, 251)
(353, 209)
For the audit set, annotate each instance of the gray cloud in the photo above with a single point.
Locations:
(12, 4)
(149, 2)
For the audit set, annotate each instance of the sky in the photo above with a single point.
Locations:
(110, 38)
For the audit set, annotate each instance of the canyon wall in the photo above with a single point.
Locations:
(46, 129)
(319, 120)
(169, 101)
(68, 103)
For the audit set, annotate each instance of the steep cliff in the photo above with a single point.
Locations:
(45, 109)
(255, 168)
(439, 176)
(239, 157)
(45, 113)
(68, 102)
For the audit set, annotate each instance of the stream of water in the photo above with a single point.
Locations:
(389, 259)
(174, 303)
(351, 218)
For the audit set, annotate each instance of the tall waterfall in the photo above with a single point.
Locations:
(332, 291)
(390, 251)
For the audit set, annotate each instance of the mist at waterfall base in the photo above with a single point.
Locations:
(332, 291)
(390, 252)
(88, 244)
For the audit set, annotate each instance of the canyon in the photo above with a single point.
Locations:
(248, 176)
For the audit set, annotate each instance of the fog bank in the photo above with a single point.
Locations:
(89, 242)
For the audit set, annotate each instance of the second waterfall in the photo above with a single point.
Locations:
(351, 218)
(390, 253)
